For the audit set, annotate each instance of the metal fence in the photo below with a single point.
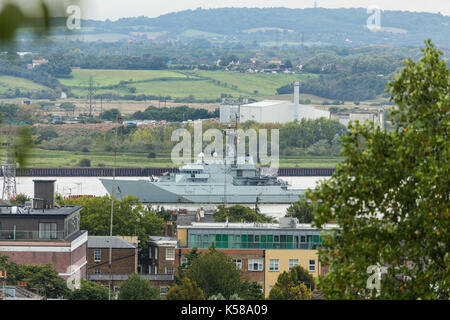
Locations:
(146, 172)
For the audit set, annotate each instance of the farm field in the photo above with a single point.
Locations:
(104, 77)
(199, 84)
(51, 158)
(9, 82)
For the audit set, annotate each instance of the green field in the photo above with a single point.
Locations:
(207, 84)
(111, 77)
(9, 82)
(49, 158)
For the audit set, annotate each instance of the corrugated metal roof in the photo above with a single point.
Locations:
(103, 242)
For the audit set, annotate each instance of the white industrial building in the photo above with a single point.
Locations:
(229, 112)
(266, 111)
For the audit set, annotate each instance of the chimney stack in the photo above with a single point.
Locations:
(296, 100)
(45, 190)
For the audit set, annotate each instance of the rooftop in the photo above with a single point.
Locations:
(159, 240)
(266, 103)
(253, 225)
(21, 211)
(103, 242)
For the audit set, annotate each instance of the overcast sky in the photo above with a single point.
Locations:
(114, 9)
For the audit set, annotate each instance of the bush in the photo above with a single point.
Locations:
(84, 162)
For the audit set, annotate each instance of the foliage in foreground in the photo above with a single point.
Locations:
(390, 196)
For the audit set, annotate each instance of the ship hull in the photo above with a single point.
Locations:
(154, 192)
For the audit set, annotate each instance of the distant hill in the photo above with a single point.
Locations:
(282, 25)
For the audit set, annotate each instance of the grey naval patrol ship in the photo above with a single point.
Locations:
(233, 179)
(208, 182)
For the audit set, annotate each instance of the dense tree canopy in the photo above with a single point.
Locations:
(239, 213)
(390, 196)
(90, 290)
(131, 218)
(42, 279)
(188, 290)
(203, 270)
(302, 210)
(292, 285)
(137, 288)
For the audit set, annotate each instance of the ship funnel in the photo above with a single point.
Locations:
(296, 100)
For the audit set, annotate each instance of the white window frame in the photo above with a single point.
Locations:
(170, 268)
(292, 263)
(170, 257)
(274, 265)
(258, 262)
(238, 263)
(312, 266)
(184, 260)
(97, 252)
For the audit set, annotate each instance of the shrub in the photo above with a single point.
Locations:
(84, 162)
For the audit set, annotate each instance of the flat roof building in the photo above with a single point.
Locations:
(42, 232)
(261, 250)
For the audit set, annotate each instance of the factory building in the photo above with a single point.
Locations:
(272, 111)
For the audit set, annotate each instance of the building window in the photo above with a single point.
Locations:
(274, 265)
(255, 264)
(170, 253)
(184, 260)
(163, 291)
(292, 263)
(97, 271)
(312, 265)
(238, 263)
(97, 255)
(150, 252)
(47, 230)
(169, 270)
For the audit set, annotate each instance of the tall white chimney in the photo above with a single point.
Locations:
(296, 98)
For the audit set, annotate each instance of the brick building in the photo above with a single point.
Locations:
(41, 232)
(262, 250)
(123, 259)
(159, 263)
